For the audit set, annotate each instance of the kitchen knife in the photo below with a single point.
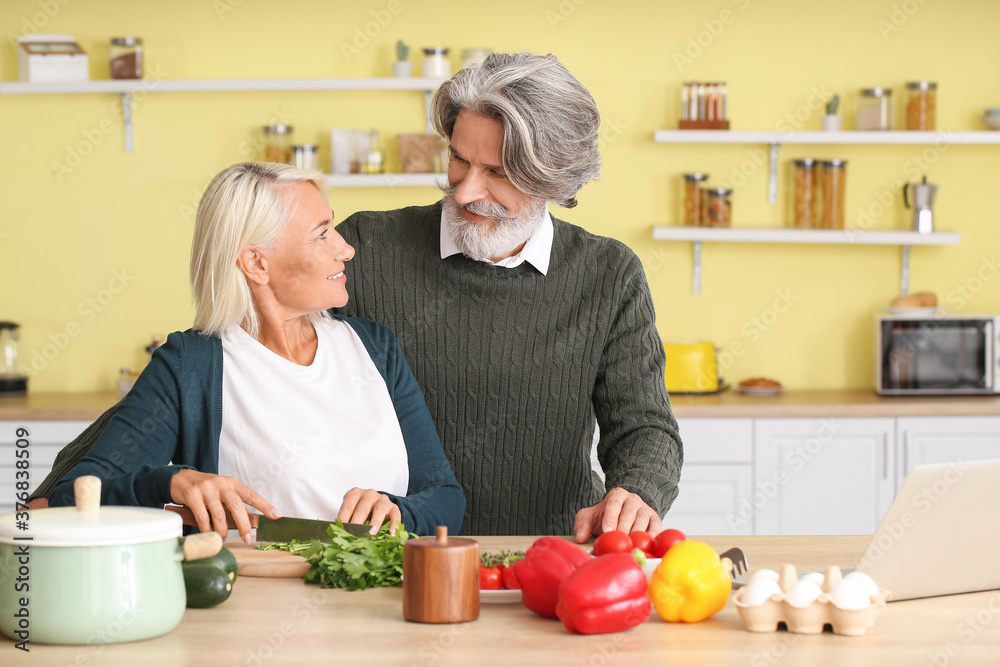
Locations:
(290, 528)
(279, 530)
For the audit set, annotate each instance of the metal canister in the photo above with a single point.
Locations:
(278, 143)
(126, 58)
(718, 209)
(692, 196)
(832, 181)
(804, 193)
(921, 105)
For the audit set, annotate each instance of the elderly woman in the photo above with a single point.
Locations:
(268, 400)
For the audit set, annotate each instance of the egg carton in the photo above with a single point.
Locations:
(844, 610)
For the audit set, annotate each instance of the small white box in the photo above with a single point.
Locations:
(51, 58)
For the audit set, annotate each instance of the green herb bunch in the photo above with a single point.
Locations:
(347, 561)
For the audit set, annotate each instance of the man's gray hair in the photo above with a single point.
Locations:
(549, 120)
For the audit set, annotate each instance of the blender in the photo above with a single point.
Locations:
(12, 382)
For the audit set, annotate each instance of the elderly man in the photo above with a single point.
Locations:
(521, 328)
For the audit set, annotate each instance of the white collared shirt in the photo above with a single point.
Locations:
(536, 251)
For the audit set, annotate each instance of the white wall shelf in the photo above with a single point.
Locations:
(126, 88)
(697, 235)
(384, 180)
(774, 140)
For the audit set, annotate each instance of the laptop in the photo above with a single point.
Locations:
(941, 534)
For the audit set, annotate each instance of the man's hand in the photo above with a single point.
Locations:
(620, 510)
(368, 505)
(209, 496)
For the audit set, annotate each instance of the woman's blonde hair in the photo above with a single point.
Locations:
(247, 203)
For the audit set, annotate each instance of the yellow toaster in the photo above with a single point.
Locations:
(691, 367)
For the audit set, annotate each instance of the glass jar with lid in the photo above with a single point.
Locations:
(804, 193)
(305, 156)
(921, 105)
(126, 58)
(832, 178)
(436, 64)
(691, 213)
(278, 143)
(875, 109)
(717, 210)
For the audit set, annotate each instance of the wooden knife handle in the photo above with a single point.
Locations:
(187, 516)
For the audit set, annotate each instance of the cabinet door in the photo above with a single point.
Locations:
(44, 440)
(716, 477)
(822, 476)
(925, 440)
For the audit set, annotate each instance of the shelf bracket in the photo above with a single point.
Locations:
(126, 99)
(772, 176)
(428, 98)
(696, 268)
(904, 272)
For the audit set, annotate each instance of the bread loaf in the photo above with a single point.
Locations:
(918, 300)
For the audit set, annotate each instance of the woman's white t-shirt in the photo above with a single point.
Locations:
(302, 436)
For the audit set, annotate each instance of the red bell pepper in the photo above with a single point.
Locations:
(607, 594)
(548, 562)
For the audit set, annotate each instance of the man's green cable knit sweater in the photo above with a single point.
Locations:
(514, 366)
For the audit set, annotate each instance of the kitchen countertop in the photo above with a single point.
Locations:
(801, 403)
(284, 622)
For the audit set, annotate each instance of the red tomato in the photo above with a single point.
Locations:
(665, 540)
(613, 542)
(641, 540)
(489, 579)
(509, 579)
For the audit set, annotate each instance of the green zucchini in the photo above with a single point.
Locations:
(206, 585)
(224, 560)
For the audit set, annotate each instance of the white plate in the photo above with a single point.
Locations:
(759, 391)
(501, 596)
(914, 312)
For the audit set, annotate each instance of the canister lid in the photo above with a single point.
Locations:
(718, 191)
(126, 41)
(277, 129)
(834, 163)
(696, 177)
(435, 51)
(107, 526)
(305, 148)
(877, 91)
(805, 162)
(9, 325)
(921, 85)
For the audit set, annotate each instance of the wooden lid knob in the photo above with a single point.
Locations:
(87, 493)
(441, 579)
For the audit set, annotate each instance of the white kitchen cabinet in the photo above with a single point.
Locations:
(822, 476)
(925, 440)
(716, 478)
(45, 439)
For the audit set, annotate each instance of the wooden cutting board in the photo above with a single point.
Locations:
(253, 562)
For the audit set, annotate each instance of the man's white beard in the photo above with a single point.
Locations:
(479, 240)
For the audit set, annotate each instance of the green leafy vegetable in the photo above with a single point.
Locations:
(347, 561)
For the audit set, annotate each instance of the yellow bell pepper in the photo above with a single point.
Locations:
(690, 583)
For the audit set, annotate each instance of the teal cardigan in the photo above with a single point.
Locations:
(172, 419)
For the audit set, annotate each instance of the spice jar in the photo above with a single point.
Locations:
(691, 214)
(436, 64)
(832, 178)
(717, 210)
(305, 156)
(921, 103)
(804, 193)
(277, 147)
(126, 58)
(875, 109)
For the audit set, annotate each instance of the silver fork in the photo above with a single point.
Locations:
(735, 561)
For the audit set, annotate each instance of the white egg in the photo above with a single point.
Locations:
(803, 594)
(815, 577)
(763, 574)
(871, 588)
(758, 591)
(850, 594)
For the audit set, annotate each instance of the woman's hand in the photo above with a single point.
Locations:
(210, 496)
(369, 506)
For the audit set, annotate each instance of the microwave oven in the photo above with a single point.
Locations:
(937, 355)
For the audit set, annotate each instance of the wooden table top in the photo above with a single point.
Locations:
(285, 622)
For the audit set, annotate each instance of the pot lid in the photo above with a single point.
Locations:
(107, 526)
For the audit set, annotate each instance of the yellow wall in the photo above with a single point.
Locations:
(93, 261)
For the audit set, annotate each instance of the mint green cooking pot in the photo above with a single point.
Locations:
(92, 576)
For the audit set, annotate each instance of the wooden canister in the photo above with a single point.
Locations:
(441, 579)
